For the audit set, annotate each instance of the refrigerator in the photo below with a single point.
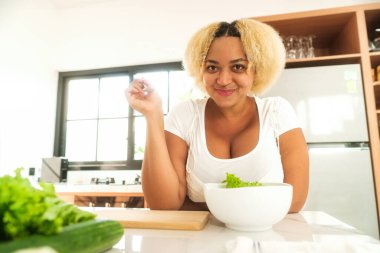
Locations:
(329, 103)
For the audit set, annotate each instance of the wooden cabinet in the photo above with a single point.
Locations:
(104, 199)
(342, 36)
(102, 195)
(372, 19)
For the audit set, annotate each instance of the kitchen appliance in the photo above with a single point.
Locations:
(107, 180)
(112, 181)
(54, 169)
(329, 102)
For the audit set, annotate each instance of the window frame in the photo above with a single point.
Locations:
(62, 106)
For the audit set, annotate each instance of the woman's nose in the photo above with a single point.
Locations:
(224, 77)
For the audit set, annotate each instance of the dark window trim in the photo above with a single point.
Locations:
(61, 111)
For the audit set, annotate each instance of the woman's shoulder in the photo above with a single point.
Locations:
(183, 116)
(272, 103)
(271, 100)
(190, 106)
(281, 113)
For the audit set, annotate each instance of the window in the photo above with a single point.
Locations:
(96, 129)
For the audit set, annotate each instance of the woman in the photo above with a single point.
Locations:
(232, 130)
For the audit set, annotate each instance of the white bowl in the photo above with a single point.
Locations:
(255, 208)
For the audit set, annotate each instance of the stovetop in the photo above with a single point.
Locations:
(111, 180)
(104, 177)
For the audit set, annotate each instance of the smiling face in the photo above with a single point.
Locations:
(226, 73)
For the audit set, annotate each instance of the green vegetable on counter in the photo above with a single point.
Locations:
(26, 210)
(92, 236)
(235, 182)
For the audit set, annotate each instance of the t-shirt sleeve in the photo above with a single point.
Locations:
(179, 120)
(286, 116)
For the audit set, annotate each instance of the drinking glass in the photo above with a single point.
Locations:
(310, 48)
(291, 42)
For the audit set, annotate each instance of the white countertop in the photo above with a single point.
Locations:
(102, 188)
(301, 232)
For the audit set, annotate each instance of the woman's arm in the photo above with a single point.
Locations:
(163, 168)
(295, 162)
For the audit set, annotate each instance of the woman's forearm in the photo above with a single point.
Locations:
(160, 181)
(295, 162)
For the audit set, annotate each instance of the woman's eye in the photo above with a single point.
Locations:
(238, 67)
(211, 68)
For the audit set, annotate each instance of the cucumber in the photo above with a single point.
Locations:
(93, 236)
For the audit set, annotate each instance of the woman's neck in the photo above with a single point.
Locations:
(236, 112)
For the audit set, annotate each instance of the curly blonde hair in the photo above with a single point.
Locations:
(262, 45)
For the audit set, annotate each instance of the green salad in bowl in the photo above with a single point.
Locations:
(233, 181)
(248, 206)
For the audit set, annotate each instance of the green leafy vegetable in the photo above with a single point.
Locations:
(26, 210)
(235, 182)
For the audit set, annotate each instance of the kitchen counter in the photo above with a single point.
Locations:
(307, 231)
(98, 188)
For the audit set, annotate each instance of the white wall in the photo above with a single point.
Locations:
(28, 82)
(40, 37)
(121, 32)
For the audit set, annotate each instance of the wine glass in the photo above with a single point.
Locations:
(310, 53)
(291, 46)
(301, 47)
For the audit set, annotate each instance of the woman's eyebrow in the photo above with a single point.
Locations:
(232, 61)
(211, 61)
(238, 60)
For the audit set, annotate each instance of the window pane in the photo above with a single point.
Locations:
(83, 99)
(112, 101)
(113, 139)
(96, 120)
(182, 87)
(159, 82)
(140, 137)
(81, 140)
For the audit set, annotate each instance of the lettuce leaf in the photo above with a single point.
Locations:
(26, 210)
(235, 182)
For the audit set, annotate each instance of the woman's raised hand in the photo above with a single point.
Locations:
(143, 98)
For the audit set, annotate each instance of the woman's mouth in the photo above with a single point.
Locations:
(224, 93)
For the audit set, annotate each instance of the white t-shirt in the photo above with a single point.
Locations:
(263, 163)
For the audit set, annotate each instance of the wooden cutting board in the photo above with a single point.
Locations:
(156, 219)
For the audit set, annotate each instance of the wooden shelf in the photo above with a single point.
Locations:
(372, 18)
(375, 59)
(323, 61)
(376, 86)
(335, 34)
